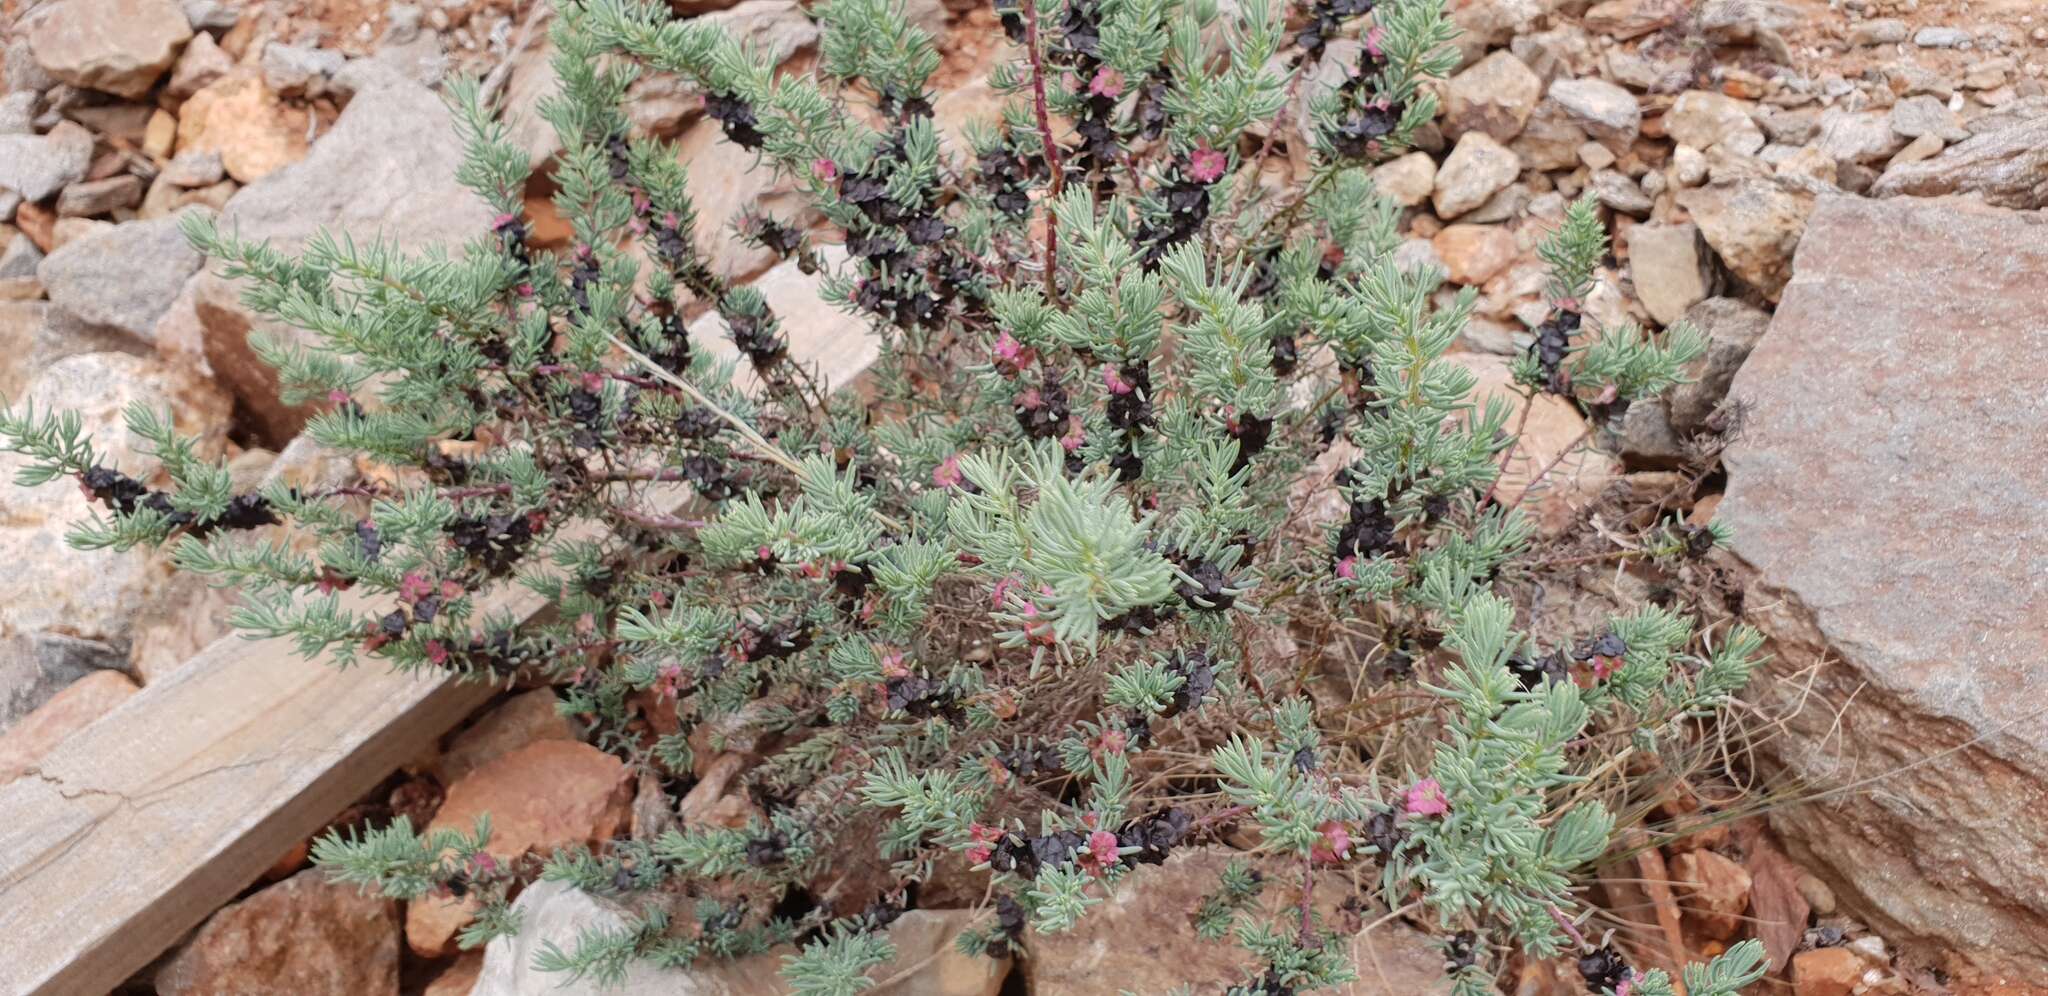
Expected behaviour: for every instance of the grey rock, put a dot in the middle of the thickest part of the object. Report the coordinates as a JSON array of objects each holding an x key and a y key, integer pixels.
[
  {"x": 1864, "y": 137},
  {"x": 1934, "y": 36},
  {"x": 37, "y": 166},
  {"x": 36, "y": 666},
  {"x": 1607, "y": 112},
  {"x": 401, "y": 23},
  {"x": 63, "y": 334},
  {"x": 10, "y": 201},
  {"x": 17, "y": 113},
  {"x": 553, "y": 913},
  {"x": 777, "y": 29},
  {"x": 1886, "y": 488},
  {"x": 2008, "y": 168},
  {"x": 299, "y": 69},
  {"x": 194, "y": 169},
  {"x": 201, "y": 63},
  {"x": 1791, "y": 126},
  {"x": 1551, "y": 140},
  {"x": 1704, "y": 119},
  {"x": 1645, "y": 438},
  {"x": 386, "y": 168},
  {"x": 96, "y": 197},
  {"x": 1619, "y": 193},
  {"x": 1925, "y": 115},
  {"x": 125, "y": 276},
  {"x": 1732, "y": 328},
  {"x": 211, "y": 15},
  {"x": 24, "y": 74},
  {"x": 20, "y": 259},
  {"x": 19, "y": 323},
  {"x": 120, "y": 47},
  {"x": 1878, "y": 31}
]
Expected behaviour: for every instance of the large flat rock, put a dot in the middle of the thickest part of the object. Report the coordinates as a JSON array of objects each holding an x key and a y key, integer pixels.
[{"x": 1891, "y": 489}]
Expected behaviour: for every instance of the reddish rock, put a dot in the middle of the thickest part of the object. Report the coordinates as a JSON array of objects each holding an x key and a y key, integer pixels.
[
  {"x": 1827, "y": 972},
  {"x": 508, "y": 726},
  {"x": 1139, "y": 937},
  {"x": 544, "y": 795},
  {"x": 306, "y": 935},
  {"x": 1716, "y": 890},
  {"x": 1554, "y": 425},
  {"x": 239, "y": 118},
  {"x": 1472, "y": 254},
  {"x": 1887, "y": 489},
  {"x": 67, "y": 712}
]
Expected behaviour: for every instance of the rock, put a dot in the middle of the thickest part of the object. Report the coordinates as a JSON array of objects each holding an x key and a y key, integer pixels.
[
  {"x": 1407, "y": 180},
  {"x": 124, "y": 276},
  {"x": 1745, "y": 22},
  {"x": 1595, "y": 156},
  {"x": 1550, "y": 141},
  {"x": 1472, "y": 254},
  {"x": 1864, "y": 137},
  {"x": 159, "y": 135},
  {"x": 386, "y": 168},
  {"x": 305, "y": 935},
  {"x": 1716, "y": 889},
  {"x": 22, "y": 74},
  {"x": 1554, "y": 53},
  {"x": 1754, "y": 223},
  {"x": 202, "y": 63},
  {"x": 1139, "y": 938},
  {"x": 17, "y": 113},
  {"x": 18, "y": 262},
  {"x": 1732, "y": 329},
  {"x": 1914, "y": 117},
  {"x": 723, "y": 179},
  {"x": 1607, "y": 112},
  {"x": 1620, "y": 194},
  {"x": 557, "y": 913},
  {"x": 1688, "y": 166},
  {"x": 1879, "y": 31},
  {"x": 1477, "y": 168},
  {"x": 776, "y": 29},
  {"x": 1704, "y": 119},
  {"x": 520, "y": 720},
  {"x": 1893, "y": 448},
  {"x": 194, "y": 169},
  {"x": 1495, "y": 95},
  {"x": 1645, "y": 439},
  {"x": 211, "y": 15},
  {"x": 532, "y": 80},
  {"x": 293, "y": 70},
  {"x": 2008, "y": 168},
  {"x": 19, "y": 321},
  {"x": 95, "y": 197},
  {"x": 165, "y": 198},
  {"x": 1625, "y": 19},
  {"x": 1937, "y": 36},
  {"x": 1671, "y": 269},
  {"x": 1554, "y": 424},
  {"x": 239, "y": 118},
  {"x": 547, "y": 794},
  {"x": 1816, "y": 893},
  {"x": 1922, "y": 148},
  {"x": 1790, "y": 126},
  {"x": 36, "y": 667},
  {"x": 460, "y": 978},
  {"x": 68, "y": 230},
  {"x": 1827, "y": 972},
  {"x": 118, "y": 46},
  {"x": 27, "y": 742},
  {"x": 36, "y": 166},
  {"x": 50, "y": 588}
]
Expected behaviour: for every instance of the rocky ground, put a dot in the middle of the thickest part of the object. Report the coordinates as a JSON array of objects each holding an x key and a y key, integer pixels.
[{"x": 1755, "y": 156}]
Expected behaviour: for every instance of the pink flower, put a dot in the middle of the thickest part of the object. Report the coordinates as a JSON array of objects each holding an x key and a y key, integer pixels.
[
  {"x": 484, "y": 863},
  {"x": 1426, "y": 798},
  {"x": 1101, "y": 854},
  {"x": 825, "y": 169},
  {"x": 1206, "y": 165},
  {"x": 984, "y": 838},
  {"x": 412, "y": 587},
  {"x": 1335, "y": 845},
  {"x": 1074, "y": 438},
  {"x": 436, "y": 652},
  {"x": 1627, "y": 986},
  {"x": 450, "y": 591},
  {"x": 1348, "y": 568},
  {"x": 503, "y": 220},
  {"x": 338, "y": 396},
  {"x": 1008, "y": 349},
  {"x": 525, "y": 290},
  {"x": 1112, "y": 742},
  {"x": 947, "y": 474},
  {"x": 1107, "y": 83},
  {"x": 1115, "y": 381},
  {"x": 1373, "y": 39},
  {"x": 1029, "y": 399}
]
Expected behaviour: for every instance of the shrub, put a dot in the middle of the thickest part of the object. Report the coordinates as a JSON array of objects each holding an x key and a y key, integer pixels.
[{"x": 978, "y": 598}]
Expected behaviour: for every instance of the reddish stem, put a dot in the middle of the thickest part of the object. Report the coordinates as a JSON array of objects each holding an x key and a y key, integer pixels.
[{"x": 1052, "y": 148}]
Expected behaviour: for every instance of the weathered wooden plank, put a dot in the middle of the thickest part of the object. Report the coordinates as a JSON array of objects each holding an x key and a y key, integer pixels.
[{"x": 137, "y": 827}]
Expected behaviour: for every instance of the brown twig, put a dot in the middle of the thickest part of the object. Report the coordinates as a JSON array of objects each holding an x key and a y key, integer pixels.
[
  {"x": 1052, "y": 148},
  {"x": 1552, "y": 465}
]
